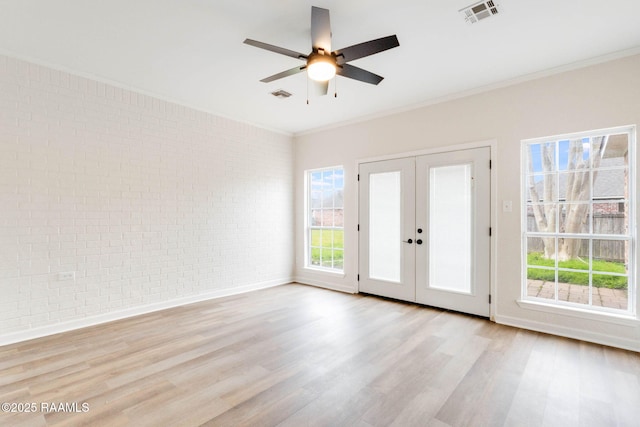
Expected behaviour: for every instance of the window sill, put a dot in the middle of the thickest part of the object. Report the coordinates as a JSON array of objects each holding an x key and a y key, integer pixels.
[
  {"x": 619, "y": 319},
  {"x": 325, "y": 271}
]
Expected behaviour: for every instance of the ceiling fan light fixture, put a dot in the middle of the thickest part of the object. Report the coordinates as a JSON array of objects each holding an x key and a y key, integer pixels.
[
  {"x": 321, "y": 68},
  {"x": 322, "y": 64}
]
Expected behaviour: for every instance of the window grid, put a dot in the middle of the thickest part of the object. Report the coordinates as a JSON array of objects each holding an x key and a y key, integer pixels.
[
  {"x": 325, "y": 225},
  {"x": 573, "y": 162}
]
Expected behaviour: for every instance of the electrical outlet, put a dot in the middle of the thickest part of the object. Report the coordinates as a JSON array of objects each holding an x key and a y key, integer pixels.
[
  {"x": 68, "y": 275},
  {"x": 507, "y": 206}
]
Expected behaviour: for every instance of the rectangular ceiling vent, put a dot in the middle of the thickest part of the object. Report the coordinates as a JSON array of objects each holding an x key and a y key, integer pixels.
[
  {"x": 282, "y": 94},
  {"x": 480, "y": 10}
]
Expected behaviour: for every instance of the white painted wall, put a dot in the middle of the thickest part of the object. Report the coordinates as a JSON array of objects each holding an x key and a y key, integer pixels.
[
  {"x": 152, "y": 204},
  {"x": 149, "y": 203},
  {"x": 598, "y": 96}
]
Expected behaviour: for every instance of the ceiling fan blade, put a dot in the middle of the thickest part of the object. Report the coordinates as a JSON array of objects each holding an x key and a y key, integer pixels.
[
  {"x": 371, "y": 47},
  {"x": 287, "y": 73},
  {"x": 319, "y": 88},
  {"x": 356, "y": 73},
  {"x": 276, "y": 49},
  {"x": 320, "y": 29}
]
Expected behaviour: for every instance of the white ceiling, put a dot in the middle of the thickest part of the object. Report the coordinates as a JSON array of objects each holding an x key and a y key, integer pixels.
[{"x": 191, "y": 51}]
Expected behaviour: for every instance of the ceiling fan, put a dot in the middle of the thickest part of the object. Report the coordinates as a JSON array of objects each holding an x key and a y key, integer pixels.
[{"x": 322, "y": 64}]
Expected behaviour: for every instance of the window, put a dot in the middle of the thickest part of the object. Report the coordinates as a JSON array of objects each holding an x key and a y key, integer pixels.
[
  {"x": 325, "y": 219},
  {"x": 577, "y": 219}
]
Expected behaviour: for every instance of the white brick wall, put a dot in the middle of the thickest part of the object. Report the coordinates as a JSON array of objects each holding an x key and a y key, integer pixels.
[{"x": 145, "y": 200}]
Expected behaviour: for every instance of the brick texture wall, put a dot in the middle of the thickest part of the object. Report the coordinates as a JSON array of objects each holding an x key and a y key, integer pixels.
[{"x": 143, "y": 200}]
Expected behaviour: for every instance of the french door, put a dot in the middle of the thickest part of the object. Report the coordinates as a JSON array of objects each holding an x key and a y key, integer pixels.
[{"x": 424, "y": 229}]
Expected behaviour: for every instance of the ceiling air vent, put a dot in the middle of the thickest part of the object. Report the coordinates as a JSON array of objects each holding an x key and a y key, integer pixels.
[
  {"x": 282, "y": 94},
  {"x": 479, "y": 11}
]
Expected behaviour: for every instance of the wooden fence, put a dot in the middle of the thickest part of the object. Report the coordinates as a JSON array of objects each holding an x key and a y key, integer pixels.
[{"x": 609, "y": 250}]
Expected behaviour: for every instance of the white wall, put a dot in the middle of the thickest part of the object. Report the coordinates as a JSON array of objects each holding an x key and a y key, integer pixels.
[
  {"x": 599, "y": 96},
  {"x": 150, "y": 203}
]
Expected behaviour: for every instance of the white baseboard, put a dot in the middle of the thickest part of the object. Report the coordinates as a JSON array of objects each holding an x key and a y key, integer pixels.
[
  {"x": 563, "y": 331},
  {"x": 71, "y": 325},
  {"x": 325, "y": 285}
]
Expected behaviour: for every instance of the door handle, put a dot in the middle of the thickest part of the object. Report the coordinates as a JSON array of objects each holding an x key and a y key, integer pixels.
[
  {"x": 408, "y": 241},
  {"x": 419, "y": 241}
]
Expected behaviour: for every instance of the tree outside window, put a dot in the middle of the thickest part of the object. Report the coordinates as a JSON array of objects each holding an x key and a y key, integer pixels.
[{"x": 576, "y": 219}]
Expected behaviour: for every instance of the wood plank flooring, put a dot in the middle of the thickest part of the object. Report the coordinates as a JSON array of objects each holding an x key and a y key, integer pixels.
[{"x": 299, "y": 356}]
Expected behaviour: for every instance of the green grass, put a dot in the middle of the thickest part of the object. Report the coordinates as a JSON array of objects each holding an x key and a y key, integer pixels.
[
  {"x": 327, "y": 248},
  {"x": 575, "y": 277}
]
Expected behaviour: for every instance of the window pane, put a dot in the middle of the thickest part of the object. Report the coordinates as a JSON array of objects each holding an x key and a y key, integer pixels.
[
  {"x": 338, "y": 218},
  {"x": 384, "y": 226},
  {"x": 609, "y": 184},
  {"x": 575, "y": 186},
  {"x": 573, "y": 253},
  {"x": 610, "y": 291},
  {"x": 327, "y": 199},
  {"x": 327, "y": 241},
  {"x": 613, "y": 150},
  {"x": 316, "y": 238},
  {"x": 574, "y": 154},
  {"x": 316, "y": 181},
  {"x": 327, "y": 178},
  {"x": 542, "y": 188},
  {"x": 541, "y": 283},
  {"x": 316, "y": 217},
  {"x": 610, "y": 218},
  {"x": 542, "y": 218},
  {"x": 573, "y": 277},
  {"x": 573, "y": 287},
  {"x": 338, "y": 178},
  {"x": 541, "y": 251},
  {"x": 315, "y": 200},
  {"x": 327, "y": 257},
  {"x": 610, "y": 255},
  {"x": 542, "y": 157},
  {"x": 574, "y": 218},
  {"x": 609, "y": 281},
  {"x": 338, "y": 259},
  {"x": 338, "y": 239},
  {"x": 338, "y": 198},
  {"x": 315, "y": 256}
]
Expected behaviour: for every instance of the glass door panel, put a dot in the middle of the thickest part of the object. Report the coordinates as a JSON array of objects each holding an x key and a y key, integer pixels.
[
  {"x": 385, "y": 226},
  {"x": 450, "y": 212}
]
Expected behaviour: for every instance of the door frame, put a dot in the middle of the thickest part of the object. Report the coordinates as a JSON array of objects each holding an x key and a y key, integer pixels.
[{"x": 492, "y": 144}]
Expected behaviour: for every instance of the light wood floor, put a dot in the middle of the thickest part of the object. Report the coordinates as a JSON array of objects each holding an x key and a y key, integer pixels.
[{"x": 299, "y": 356}]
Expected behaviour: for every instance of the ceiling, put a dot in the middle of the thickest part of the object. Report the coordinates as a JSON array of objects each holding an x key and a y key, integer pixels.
[{"x": 191, "y": 51}]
